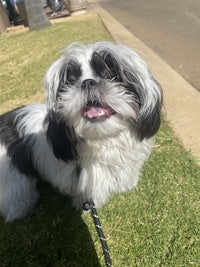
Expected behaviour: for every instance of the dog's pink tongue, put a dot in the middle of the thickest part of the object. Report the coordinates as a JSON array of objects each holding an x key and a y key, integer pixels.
[{"x": 96, "y": 112}]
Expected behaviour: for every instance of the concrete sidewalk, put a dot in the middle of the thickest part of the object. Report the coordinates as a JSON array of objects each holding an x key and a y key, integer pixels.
[{"x": 181, "y": 100}]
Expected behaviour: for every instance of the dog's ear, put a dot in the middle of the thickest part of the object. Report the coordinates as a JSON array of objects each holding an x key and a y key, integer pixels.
[
  {"x": 62, "y": 138},
  {"x": 126, "y": 67},
  {"x": 147, "y": 98},
  {"x": 149, "y": 122},
  {"x": 146, "y": 92},
  {"x": 149, "y": 117},
  {"x": 52, "y": 82}
]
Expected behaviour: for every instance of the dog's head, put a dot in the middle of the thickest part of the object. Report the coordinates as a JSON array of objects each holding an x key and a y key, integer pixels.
[{"x": 103, "y": 88}]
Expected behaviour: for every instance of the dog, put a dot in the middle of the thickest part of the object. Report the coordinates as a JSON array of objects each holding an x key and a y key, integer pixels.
[{"x": 91, "y": 137}]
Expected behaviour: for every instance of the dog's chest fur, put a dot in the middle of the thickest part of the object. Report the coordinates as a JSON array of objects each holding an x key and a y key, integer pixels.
[{"x": 110, "y": 165}]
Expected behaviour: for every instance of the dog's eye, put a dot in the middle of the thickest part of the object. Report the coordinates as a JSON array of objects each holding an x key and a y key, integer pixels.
[
  {"x": 106, "y": 74},
  {"x": 99, "y": 66},
  {"x": 105, "y": 67},
  {"x": 71, "y": 81},
  {"x": 73, "y": 72},
  {"x": 112, "y": 76},
  {"x": 71, "y": 78}
]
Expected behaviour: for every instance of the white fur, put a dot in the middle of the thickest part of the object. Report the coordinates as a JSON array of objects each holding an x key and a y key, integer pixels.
[
  {"x": 110, "y": 153},
  {"x": 110, "y": 166}
]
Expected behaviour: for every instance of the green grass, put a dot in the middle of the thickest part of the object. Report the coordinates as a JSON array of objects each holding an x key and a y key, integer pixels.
[
  {"x": 155, "y": 225},
  {"x": 24, "y": 58}
]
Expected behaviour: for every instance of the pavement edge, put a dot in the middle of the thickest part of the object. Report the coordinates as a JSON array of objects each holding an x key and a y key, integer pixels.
[{"x": 181, "y": 100}]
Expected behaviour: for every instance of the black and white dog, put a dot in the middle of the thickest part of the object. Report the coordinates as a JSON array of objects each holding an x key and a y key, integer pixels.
[{"x": 91, "y": 137}]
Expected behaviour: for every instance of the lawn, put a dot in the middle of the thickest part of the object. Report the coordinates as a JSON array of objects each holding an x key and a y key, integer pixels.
[{"x": 155, "y": 225}]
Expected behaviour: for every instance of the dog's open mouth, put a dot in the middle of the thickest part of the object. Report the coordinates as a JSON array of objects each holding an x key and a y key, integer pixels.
[{"x": 97, "y": 112}]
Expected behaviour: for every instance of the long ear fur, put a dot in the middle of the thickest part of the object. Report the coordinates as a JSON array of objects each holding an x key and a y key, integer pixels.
[
  {"x": 149, "y": 96},
  {"x": 61, "y": 137},
  {"x": 147, "y": 92},
  {"x": 150, "y": 117},
  {"x": 52, "y": 81}
]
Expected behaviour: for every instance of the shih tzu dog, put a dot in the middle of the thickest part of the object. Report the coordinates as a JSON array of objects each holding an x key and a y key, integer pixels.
[{"x": 91, "y": 137}]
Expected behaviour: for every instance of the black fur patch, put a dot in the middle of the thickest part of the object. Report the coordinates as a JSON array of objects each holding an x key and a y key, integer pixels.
[
  {"x": 148, "y": 125},
  {"x": 73, "y": 72},
  {"x": 18, "y": 148},
  {"x": 8, "y": 131},
  {"x": 105, "y": 66},
  {"x": 78, "y": 169},
  {"x": 70, "y": 73},
  {"x": 62, "y": 138},
  {"x": 21, "y": 155}
]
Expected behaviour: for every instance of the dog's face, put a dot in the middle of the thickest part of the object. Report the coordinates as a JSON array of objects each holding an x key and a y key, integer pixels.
[{"x": 102, "y": 89}]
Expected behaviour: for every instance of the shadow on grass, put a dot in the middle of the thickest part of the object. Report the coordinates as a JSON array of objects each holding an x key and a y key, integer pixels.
[{"x": 55, "y": 236}]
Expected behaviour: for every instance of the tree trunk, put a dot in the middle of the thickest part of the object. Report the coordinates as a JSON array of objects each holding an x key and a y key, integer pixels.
[{"x": 37, "y": 18}]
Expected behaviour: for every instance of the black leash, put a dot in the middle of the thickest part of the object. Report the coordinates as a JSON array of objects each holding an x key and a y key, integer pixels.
[{"x": 91, "y": 206}]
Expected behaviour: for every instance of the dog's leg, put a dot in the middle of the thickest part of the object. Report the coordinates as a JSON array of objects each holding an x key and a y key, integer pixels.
[{"x": 18, "y": 193}]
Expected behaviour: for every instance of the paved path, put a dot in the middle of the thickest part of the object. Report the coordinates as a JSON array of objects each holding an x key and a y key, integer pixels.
[
  {"x": 181, "y": 100},
  {"x": 171, "y": 28}
]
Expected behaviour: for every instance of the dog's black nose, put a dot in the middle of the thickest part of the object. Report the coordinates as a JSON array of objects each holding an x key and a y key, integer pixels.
[{"x": 88, "y": 84}]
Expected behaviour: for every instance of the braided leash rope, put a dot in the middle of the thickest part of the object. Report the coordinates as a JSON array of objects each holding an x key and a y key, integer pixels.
[{"x": 91, "y": 206}]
